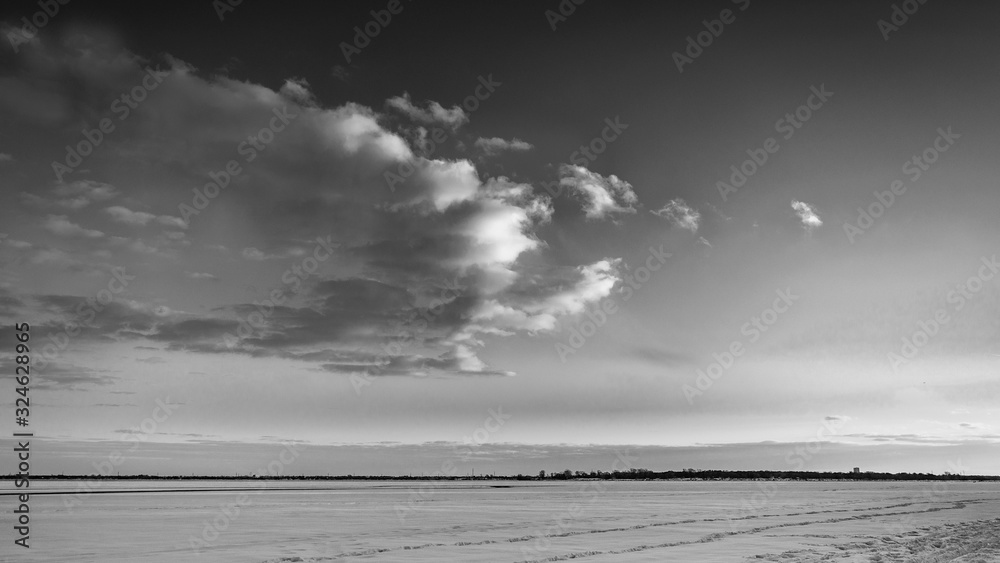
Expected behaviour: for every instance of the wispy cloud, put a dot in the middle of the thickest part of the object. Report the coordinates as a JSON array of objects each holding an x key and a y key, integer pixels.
[
  {"x": 680, "y": 214},
  {"x": 62, "y": 226},
  {"x": 433, "y": 112},
  {"x": 496, "y": 145},
  {"x": 601, "y": 196}
]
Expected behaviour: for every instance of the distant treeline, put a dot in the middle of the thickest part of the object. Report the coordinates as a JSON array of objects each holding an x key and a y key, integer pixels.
[{"x": 632, "y": 474}]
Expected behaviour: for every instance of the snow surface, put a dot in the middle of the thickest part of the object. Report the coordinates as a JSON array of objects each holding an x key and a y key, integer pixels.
[{"x": 509, "y": 521}]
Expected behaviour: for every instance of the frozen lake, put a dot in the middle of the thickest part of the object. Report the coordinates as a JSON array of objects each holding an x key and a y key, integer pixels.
[{"x": 508, "y": 521}]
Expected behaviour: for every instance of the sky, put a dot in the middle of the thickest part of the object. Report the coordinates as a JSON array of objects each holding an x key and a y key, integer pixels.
[{"x": 515, "y": 236}]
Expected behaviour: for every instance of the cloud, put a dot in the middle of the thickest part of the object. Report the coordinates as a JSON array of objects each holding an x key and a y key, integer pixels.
[
  {"x": 82, "y": 193},
  {"x": 680, "y": 214},
  {"x": 297, "y": 89},
  {"x": 62, "y": 375},
  {"x": 5, "y": 157},
  {"x": 807, "y": 213},
  {"x": 538, "y": 308},
  {"x": 141, "y": 218},
  {"x": 8, "y": 303},
  {"x": 601, "y": 196},
  {"x": 62, "y": 226},
  {"x": 171, "y": 221},
  {"x": 495, "y": 145},
  {"x": 73, "y": 196},
  {"x": 123, "y": 215},
  {"x": 14, "y": 243},
  {"x": 434, "y": 112},
  {"x": 325, "y": 174},
  {"x": 257, "y": 255}
]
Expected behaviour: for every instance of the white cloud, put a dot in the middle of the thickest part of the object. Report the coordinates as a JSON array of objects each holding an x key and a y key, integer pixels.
[
  {"x": 298, "y": 89},
  {"x": 129, "y": 217},
  {"x": 445, "y": 183},
  {"x": 141, "y": 218},
  {"x": 496, "y": 145},
  {"x": 601, "y": 196},
  {"x": 593, "y": 282},
  {"x": 251, "y": 253},
  {"x": 353, "y": 130},
  {"x": 52, "y": 256},
  {"x": 62, "y": 226},
  {"x": 84, "y": 192},
  {"x": 680, "y": 214},
  {"x": 16, "y": 243},
  {"x": 171, "y": 221},
  {"x": 434, "y": 112},
  {"x": 325, "y": 174},
  {"x": 807, "y": 213},
  {"x": 73, "y": 196}
]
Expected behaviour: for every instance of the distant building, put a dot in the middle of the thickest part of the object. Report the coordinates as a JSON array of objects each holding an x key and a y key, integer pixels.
[{"x": 857, "y": 470}]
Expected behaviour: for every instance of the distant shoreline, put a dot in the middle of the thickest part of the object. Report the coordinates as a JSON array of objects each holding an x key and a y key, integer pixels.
[{"x": 635, "y": 475}]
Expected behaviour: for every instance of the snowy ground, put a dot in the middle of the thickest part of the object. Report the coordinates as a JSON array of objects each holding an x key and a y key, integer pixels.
[{"x": 510, "y": 521}]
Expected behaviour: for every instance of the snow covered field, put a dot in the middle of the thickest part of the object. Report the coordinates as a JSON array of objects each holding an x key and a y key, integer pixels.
[{"x": 508, "y": 521}]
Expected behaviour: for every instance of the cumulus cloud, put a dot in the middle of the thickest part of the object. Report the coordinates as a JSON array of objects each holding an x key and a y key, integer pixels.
[
  {"x": 433, "y": 112},
  {"x": 602, "y": 197},
  {"x": 62, "y": 226},
  {"x": 495, "y": 145},
  {"x": 807, "y": 214},
  {"x": 324, "y": 174},
  {"x": 680, "y": 214}
]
